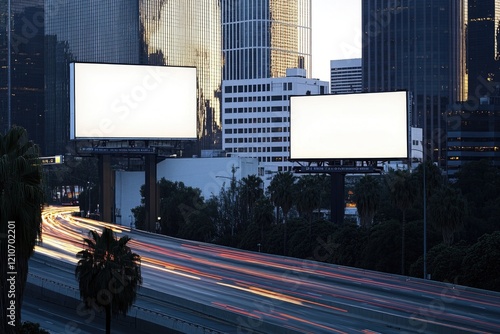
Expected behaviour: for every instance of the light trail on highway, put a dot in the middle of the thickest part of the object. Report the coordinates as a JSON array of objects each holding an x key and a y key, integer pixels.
[{"x": 302, "y": 295}]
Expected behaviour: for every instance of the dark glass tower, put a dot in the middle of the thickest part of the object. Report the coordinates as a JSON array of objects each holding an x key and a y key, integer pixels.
[
  {"x": 23, "y": 71},
  {"x": 474, "y": 125},
  {"x": 175, "y": 33},
  {"x": 483, "y": 49},
  {"x": 262, "y": 38},
  {"x": 417, "y": 45}
]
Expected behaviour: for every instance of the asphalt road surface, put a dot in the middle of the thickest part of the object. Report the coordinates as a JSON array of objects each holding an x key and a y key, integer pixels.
[{"x": 297, "y": 295}]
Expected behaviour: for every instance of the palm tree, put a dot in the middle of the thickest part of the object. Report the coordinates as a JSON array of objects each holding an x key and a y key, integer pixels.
[
  {"x": 433, "y": 178},
  {"x": 108, "y": 273},
  {"x": 281, "y": 190},
  {"x": 250, "y": 190},
  {"x": 263, "y": 215},
  {"x": 21, "y": 201},
  {"x": 447, "y": 211},
  {"x": 402, "y": 190},
  {"x": 309, "y": 196},
  {"x": 367, "y": 194}
]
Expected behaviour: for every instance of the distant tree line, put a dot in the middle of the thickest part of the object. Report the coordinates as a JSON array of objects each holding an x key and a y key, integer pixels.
[{"x": 462, "y": 219}]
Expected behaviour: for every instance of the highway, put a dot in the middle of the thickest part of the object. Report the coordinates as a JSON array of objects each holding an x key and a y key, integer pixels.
[
  {"x": 299, "y": 296},
  {"x": 59, "y": 319}
]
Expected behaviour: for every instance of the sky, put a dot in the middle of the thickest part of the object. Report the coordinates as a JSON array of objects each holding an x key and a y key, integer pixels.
[{"x": 336, "y": 34}]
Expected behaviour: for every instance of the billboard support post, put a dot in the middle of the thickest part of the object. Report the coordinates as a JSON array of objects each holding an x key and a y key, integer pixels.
[
  {"x": 337, "y": 184},
  {"x": 151, "y": 194},
  {"x": 107, "y": 188},
  {"x": 338, "y": 201}
]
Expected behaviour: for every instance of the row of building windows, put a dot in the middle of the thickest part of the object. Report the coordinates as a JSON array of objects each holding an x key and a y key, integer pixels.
[
  {"x": 257, "y": 140},
  {"x": 257, "y": 149},
  {"x": 248, "y": 88},
  {"x": 462, "y": 158},
  {"x": 349, "y": 69},
  {"x": 251, "y": 120},
  {"x": 257, "y": 98},
  {"x": 347, "y": 75},
  {"x": 350, "y": 86},
  {"x": 287, "y": 86},
  {"x": 472, "y": 139},
  {"x": 247, "y": 130},
  {"x": 245, "y": 110},
  {"x": 474, "y": 148},
  {"x": 269, "y": 159},
  {"x": 339, "y": 81}
]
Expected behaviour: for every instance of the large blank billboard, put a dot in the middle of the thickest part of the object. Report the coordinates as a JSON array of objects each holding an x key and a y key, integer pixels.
[
  {"x": 115, "y": 101},
  {"x": 350, "y": 126}
]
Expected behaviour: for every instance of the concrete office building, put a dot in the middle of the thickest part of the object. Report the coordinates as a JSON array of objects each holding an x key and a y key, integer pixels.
[
  {"x": 345, "y": 76},
  {"x": 256, "y": 117}
]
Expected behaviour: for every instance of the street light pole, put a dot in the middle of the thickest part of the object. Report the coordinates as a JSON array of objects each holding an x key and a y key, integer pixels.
[
  {"x": 425, "y": 222},
  {"x": 424, "y": 167},
  {"x": 9, "y": 67},
  {"x": 88, "y": 189}
]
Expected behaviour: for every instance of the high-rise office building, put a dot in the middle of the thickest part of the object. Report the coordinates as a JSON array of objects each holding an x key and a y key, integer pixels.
[
  {"x": 256, "y": 116},
  {"x": 22, "y": 67},
  {"x": 417, "y": 45},
  {"x": 262, "y": 38},
  {"x": 482, "y": 44},
  {"x": 473, "y": 126},
  {"x": 174, "y": 33},
  {"x": 345, "y": 76}
]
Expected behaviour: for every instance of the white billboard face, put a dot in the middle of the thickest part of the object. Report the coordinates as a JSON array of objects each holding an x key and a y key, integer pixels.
[
  {"x": 111, "y": 101},
  {"x": 351, "y": 126}
]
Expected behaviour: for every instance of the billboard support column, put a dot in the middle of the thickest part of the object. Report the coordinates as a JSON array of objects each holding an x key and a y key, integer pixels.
[
  {"x": 106, "y": 190},
  {"x": 151, "y": 199},
  {"x": 338, "y": 200}
]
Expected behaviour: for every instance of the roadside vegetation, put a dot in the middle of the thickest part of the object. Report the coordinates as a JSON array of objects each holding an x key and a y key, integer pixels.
[
  {"x": 462, "y": 219},
  {"x": 21, "y": 201}
]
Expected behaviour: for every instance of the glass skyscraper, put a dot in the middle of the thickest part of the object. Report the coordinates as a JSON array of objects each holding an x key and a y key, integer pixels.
[
  {"x": 262, "y": 38},
  {"x": 482, "y": 43},
  {"x": 174, "y": 33},
  {"x": 417, "y": 45},
  {"x": 23, "y": 70},
  {"x": 473, "y": 127}
]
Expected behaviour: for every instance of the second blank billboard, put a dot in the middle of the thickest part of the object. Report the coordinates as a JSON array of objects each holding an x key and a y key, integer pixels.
[
  {"x": 115, "y": 101},
  {"x": 350, "y": 126}
]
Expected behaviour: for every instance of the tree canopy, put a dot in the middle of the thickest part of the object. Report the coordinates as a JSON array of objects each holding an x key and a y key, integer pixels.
[
  {"x": 391, "y": 206},
  {"x": 108, "y": 273}
]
